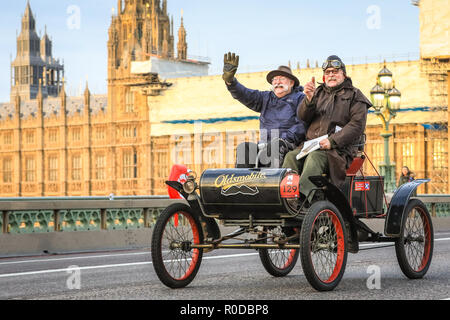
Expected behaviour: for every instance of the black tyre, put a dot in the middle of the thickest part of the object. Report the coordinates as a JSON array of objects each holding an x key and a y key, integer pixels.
[
  {"x": 279, "y": 262},
  {"x": 323, "y": 246},
  {"x": 175, "y": 262},
  {"x": 414, "y": 247}
]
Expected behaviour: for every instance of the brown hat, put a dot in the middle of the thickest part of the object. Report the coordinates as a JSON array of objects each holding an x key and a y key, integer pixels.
[{"x": 282, "y": 71}]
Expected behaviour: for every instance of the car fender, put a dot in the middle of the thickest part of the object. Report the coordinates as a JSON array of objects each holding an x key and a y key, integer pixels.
[
  {"x": 209, "y": 225},
  {"x": 396, "y": 210}
]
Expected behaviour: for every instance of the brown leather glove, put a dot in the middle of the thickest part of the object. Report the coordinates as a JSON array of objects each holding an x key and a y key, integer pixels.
[{"x": 231, "y": 63}]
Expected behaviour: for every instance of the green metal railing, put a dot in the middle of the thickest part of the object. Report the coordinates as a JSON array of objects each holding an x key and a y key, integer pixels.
[
  {"x": 64, "y": 214},
  {"x": 68, "y": 214},
  {"x": 437, "y": 204}
]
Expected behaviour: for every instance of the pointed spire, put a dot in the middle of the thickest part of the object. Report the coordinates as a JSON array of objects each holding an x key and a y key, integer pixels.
[
  {"x": 182, "y": 45},
  {"x": 28, "y": 22},
  {"x": 164, "y": 7},
  {"x": 28, "y": 33},
  {"x": 182, "y": 30},
  {"x": 87, "y": 85},
  {"x": 39, "y": 95},
  {"x": 63, "y": 88},
  {"x": 46, "y": 45},
  {"x": 87, "y": 98},
  {"x": 40, "y": 99},
  {"x": 28, "y": 9}
]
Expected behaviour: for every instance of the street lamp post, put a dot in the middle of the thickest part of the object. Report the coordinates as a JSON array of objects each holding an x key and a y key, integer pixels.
[{"x": 386, "y": 102}]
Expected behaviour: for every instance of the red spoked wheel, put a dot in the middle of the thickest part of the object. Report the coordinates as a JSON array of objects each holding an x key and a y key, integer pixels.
[
  {"x": 175, "y": 262},
  {"x": 414, "y": 247},
  {"x": 279, "y": 262},
  {"x": 323, "y": 246}
]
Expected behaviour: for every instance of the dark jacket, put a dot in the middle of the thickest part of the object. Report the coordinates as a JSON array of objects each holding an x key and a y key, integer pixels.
[
  {"x": 344, "y": 106},
  {"x": 405, "y": 179},
  {"x": 276, "y": 113}
]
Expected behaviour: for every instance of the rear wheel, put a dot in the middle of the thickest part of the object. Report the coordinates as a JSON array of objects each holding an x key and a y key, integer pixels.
[
  {"x": 279, "y": 262},
  {"x": 414, "y": 248},
  {"x": 175, "y": 262},
  {"x": 323, "y": 246}
]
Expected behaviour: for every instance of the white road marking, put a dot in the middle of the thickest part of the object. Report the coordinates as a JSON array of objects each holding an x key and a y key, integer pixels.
[
  {"x": 386, "y": 244},
  {"x": 29, "y": 273},
  {"x": 442, "y": 239},
  {"x": 133, "y": 263},
  {"x": 38, "y": 260}
]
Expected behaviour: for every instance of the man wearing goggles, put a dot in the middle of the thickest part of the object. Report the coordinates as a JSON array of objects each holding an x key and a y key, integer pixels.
[
  {"x": 337, "y": 109},
  {"x": 336, "y": 64}
]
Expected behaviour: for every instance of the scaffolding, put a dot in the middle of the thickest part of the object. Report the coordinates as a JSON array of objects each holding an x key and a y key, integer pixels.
[{"x": 436, "y": 70}]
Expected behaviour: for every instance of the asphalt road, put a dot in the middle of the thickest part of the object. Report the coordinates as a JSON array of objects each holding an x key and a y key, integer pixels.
[{"x": 224, "y": 275}]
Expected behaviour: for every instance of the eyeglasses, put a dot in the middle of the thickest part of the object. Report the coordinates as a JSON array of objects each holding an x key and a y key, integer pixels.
[
  {"x": 332, "y": 64},
  {"x": 331, "y": 71},
  {"x": 278, "y": 79}
]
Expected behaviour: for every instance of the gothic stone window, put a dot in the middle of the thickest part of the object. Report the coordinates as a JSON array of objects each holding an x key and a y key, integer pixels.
[
  {"x": 100, "y": 133},
  {"x": 29, "y": 137},
  {"x": 76, "y": 167},
  {"x": 76, "y": 134},
  {"x": 7, "y": 170},
  {"x": 375, "y": 152},
  {"x": 162, "y": 162},
  {"x": 129, "y": 101},
  {"x": 129, "y": 131},
  {"x": 30, "y": 169},
  {"x": 439, "y": 154},
  {"x": 129, "y": 165},
  {"x": 100, "y": 167},
  {"x": 53, "y": 168},
  {"x": 53, "y": 135},
  {"x": 408, "y": 154},
  {"x": 7, "y": 138}
]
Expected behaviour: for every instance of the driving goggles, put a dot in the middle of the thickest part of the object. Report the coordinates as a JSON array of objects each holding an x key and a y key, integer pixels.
[{"x": 332, "y": 64}]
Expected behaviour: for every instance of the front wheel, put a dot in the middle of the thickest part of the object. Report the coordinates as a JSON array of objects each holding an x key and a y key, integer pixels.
[
  {"x": 414, "y": 247},
  {"x": 323, "y": 246},
  {"x": 175, "y": 262},
  {"x": 279, "y": 262}
]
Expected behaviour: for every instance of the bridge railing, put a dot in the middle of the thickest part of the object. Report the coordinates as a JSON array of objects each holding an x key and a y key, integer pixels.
[
  {"x": 437, "y": 204},
  {"x": 62, "y": 214},
  {"x": 65, "y": 214}
]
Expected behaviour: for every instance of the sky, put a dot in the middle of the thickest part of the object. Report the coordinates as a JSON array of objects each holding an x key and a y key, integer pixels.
[{"x": 264, "y": 33}]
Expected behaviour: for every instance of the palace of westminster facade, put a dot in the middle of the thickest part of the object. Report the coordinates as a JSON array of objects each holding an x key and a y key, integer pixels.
[{"x": 126, "y": 141}]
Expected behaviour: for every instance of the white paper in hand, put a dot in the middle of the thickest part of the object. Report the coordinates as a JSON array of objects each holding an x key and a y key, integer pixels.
[{"x": 310, "y": 146}]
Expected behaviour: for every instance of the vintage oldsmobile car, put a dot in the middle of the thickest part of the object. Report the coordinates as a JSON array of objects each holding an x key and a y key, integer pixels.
[{"x": 263, "y": 203}]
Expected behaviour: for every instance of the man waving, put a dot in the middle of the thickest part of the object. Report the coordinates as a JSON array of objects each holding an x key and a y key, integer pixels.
[{"x": 277, "y": 110}]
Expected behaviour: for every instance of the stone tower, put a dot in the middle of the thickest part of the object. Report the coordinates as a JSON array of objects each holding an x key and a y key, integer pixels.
[
  {"x": 141, "y": 28},
  {"x": 182, "y": 44},
  {"x": 139, "y": 31},
  {"x": 34, "y": 64}
]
